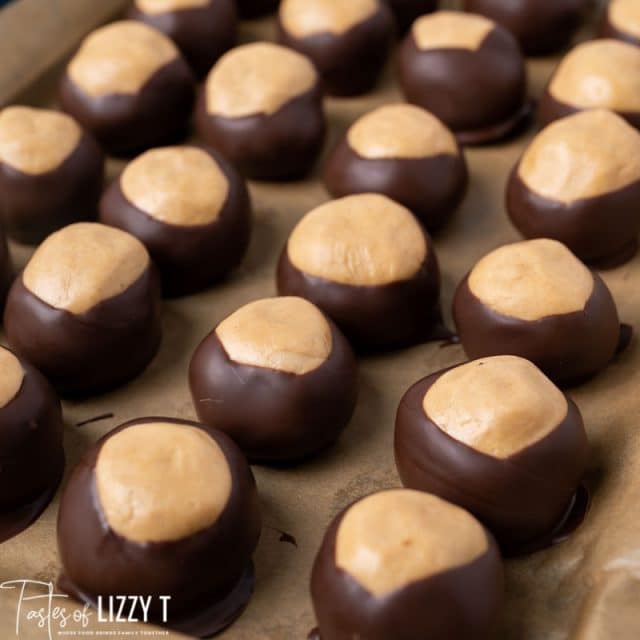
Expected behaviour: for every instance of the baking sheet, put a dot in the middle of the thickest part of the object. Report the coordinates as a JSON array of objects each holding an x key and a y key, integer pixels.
[{"x": 587, "y": 588}]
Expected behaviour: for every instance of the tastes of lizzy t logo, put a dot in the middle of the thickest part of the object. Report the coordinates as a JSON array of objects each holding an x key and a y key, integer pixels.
[{"x": 55, "y": 614}]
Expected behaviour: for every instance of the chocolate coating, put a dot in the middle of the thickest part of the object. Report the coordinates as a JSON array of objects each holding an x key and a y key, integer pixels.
[
  {"x": 203, "y": 568},
  {"x": 202, "y": 33},
  {"x": 567, "y": 347},
  {"x": 432, "y": 186},
  {"x": 541, "y": 27},
  {"x": 128, "y": 122},
  {"x": 579, "y": 183},
  {"x": 349, "y": 63},
  {"x": 609, "y": 64},
  {"x": 456, "y": 604},
  {"x": 290, "y": 416},
  {"x": 88, "y": 352},
  {"x": 282, "y": 146},
  {"x": 6, "y": 269},
  {"x": 480, "y": 94},
  {"x": 519, "y": 498},
  {"x": 601, "y": 231},
  {"x": 31, "y": 453},
  {"x": 32, "y": 206},
  {"x": 550, "y": 109},
  {"x": 616, "y": 22},
  {"x": 249, "y": 9},
  {"x": 189, "y": 258},
  {"x": 374, "y": 317},
  {"x": 406, "y": 11},
  {"x": 609, "y": 30}
]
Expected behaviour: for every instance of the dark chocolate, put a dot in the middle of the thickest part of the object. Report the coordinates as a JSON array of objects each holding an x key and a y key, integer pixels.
[
  {"x": 541, "y": 27},
  {"x": 207, "y": 574},
  {"x": 609, "y": 30},
  {"x": 17, "y": 520},
  {"x": 506, "y": 130},
  {"x": 568, "y": 348},
  {"x": 87, "y": 353},
  {"x": 349, "y": 63},
  {"x": 573, "y": 518},
  {"x": 201, "y": 33},
  {"x": 550, "y": 109},
  {"x": 34, "y": 206},
  {"x": 250, "y": 9},
  {"x": 458, "y": 604},
  {"x": 31, "y": 452},
  {"x": 127, "y": 124},
  {"x": 282, "y": 146},
  {"x": 189, "y": 258},
  {"x": 6, "y": 269},
  {"x": 430, "y": 187},
  {"x": 601, "y": 230},
  {"x": 99, "y": 418},
  {"x": 406, "y": 11},
  {"x": 387, "y": 316},
  {"x": 519, "y": 498},
  {"x": 626, "y": 337},
  {"x": 290, "y": 416},
  {"x": 211, "y": 618},
  {"x": 481, "y": 95}
]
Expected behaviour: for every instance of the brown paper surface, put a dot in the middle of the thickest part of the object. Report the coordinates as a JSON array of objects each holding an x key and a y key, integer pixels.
[{"x": 587, "y": 588}]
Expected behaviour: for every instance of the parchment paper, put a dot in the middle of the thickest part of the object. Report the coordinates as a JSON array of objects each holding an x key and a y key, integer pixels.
[{"x": 587, "y": 588}]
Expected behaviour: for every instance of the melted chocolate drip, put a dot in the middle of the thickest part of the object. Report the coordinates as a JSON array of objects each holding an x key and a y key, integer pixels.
[{"x": 102, "y": 416}]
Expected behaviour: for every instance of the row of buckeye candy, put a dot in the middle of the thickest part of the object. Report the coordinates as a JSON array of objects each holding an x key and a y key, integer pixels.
[
  {"x": 351, "y": 40},
  {"x": 85, "y": 312},
  {"x": 494, "y": 436},
  {"x": 331, "y": 32},
  {"x": 578, "y": 182},
  {"x": 261, "y": 104},
  {"x": 130, "y": 86},
  {"x": 86, "y": 309}
]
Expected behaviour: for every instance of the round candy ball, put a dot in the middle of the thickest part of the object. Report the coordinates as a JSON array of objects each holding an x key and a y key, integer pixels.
[
  {"x": 579, "y": 183},
  {"x": 541, "y": 27},
  {"x": 406, "y": 11},
  {"x": 406, "y": 564},
  {"x": 535, "y": 299},
  {"x": 250, "y": 9},
  {"x": 202, "y": 29},
  {"x": 31, "y": 453},
  {"x": 86, "y": 309},
  {"x": 370, "y": 266},
  {"x": 161, "y": 507},
  {"x": 468, "y": 71},
  {"x": 51, "y": 173},
  {"x": 600, "y": 74},
  {"x": 406, "y": 153},
  {"x": 189, "y": 208},
  {"x": 349, "y": 42},
  {"x": 622, "y": 21},
  {"x": 498, "y": 438},
  {"x": 261, "y": 107},
  {"x": 296, "y": 367},
  {"x": 129, "y": 86}
]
